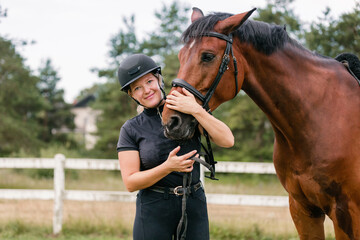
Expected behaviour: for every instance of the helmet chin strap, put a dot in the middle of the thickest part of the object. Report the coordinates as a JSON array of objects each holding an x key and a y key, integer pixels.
[{"x": 163, "y": 96}]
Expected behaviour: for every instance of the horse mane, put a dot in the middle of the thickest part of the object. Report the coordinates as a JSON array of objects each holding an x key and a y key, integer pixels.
[{"x": 266, "y": 38}]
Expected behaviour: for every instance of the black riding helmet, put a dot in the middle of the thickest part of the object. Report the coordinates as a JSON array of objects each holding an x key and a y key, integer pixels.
[{"x": 134, "y": 67}]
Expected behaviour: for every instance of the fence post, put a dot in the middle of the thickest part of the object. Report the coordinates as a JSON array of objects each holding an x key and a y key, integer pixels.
[{"x": 59, "y": 192}]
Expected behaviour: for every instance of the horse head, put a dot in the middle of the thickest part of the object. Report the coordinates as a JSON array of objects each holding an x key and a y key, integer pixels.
[{"x": 208, "y": 69}]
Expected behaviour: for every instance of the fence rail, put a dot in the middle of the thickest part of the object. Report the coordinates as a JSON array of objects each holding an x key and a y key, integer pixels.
[
  {"x": 59, "y": 163},
  {"x": 107, "y": 164}
]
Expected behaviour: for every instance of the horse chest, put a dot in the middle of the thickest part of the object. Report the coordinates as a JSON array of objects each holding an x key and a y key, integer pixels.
[{"x": 301, "y": 181}]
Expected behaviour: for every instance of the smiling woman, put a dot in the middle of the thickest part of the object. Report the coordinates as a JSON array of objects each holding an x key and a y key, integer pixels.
[{"x": 159, "y": 167}]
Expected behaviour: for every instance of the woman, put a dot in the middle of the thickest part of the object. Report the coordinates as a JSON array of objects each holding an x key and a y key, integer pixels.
[{"x": 156, "y": 165}]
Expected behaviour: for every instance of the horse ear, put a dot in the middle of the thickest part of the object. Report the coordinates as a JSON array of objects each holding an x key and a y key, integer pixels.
[
  {"x": 196, "y": 14},
  {"x": 232, "y": 23}
]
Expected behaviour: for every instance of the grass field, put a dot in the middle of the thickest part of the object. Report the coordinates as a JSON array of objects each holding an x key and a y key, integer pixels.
[{"x": 30, "y": 219}]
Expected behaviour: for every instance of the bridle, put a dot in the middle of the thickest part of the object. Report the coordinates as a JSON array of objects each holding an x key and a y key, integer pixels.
[
  {"x": 209, "y": 157},
  {"x": 223, "y": 67}
]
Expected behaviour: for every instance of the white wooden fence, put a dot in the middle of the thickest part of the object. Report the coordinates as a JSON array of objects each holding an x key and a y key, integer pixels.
[{"x": 59, "y": 163}]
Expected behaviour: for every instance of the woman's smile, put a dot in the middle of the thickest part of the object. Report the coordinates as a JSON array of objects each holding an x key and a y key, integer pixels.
[{"x": 150, "y": 96}]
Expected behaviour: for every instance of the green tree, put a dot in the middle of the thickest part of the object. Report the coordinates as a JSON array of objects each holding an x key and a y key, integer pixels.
[
  {"x": 330, "y": 37},
  {"x": 279, "y": 12},
  {"x": 165, "y": 42},
  {"x": 165, "y": 39},
  {"x": 125, "y": 42},
  {"x": 20, "y": 103},
  {"x": 56, "y": 116}
]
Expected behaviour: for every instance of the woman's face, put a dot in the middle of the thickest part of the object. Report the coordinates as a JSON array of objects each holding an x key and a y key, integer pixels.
[{"x": 146, "y": 91}]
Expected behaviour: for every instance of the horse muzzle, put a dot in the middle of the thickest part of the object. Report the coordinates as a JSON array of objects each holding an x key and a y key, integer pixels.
[{"x": 180, "y": 127}]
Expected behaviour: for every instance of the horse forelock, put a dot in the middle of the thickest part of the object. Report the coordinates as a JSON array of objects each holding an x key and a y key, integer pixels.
[
  {"x": 203, "y": 25},
  {"x": 266, "y": 38}
]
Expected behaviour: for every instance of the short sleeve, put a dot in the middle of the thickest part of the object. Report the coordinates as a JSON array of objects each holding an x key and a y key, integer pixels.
[{"x": 126, "y": 140}]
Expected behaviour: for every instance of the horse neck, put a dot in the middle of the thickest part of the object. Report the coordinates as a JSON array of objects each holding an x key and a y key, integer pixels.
[{"x": 282, "y": 85}]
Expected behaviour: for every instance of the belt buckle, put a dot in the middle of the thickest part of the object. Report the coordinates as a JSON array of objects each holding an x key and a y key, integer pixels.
[{"x": 176, "y": 189}]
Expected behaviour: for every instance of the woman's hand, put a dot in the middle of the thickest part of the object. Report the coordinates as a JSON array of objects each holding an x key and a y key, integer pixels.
[
  {"x": 218, "y": 131},
  {"x": 184, "y": 103},
  {"x": 180, "y": 163}
]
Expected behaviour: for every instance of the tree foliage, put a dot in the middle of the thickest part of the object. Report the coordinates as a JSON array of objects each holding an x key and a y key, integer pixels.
[
  {"x": 55, "y": 118},
  {"x": 31, "y": 107},
  {"x": 279, "y": 12},
  {"x": 20, "y": 102},
  {"x": 330, "y": 36}
]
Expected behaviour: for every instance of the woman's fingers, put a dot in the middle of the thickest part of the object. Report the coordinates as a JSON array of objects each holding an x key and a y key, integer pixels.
[
  {"x": 174, "y": 151},
  {"x": 175, "y": 93},
  {"x": 189, "y": 169},
  {"x": 185, "y": 162},
  {"x": 170, "y": 97},
  {"x": 170, "y": 101},
  {"x": 189, "y": 154},
  {"x": 186, "y": 92}
]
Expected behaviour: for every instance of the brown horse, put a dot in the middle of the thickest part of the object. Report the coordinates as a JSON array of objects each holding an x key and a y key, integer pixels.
[{"x": 312, "y": 102}]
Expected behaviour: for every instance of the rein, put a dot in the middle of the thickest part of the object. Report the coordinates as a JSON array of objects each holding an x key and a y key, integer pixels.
[{"x": 209, "y": 157}]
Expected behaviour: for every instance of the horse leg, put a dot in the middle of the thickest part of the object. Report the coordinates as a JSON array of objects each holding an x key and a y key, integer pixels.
[
  {"x": 339, "y": 233},
  {"x": 308, "y": 225},
  {"x": 346, "y": 221}
]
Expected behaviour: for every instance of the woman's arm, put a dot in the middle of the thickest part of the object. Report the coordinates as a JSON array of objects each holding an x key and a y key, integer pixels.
[
  {"x": 218, "y": 131},
  {"x": 134, "y": 179}
]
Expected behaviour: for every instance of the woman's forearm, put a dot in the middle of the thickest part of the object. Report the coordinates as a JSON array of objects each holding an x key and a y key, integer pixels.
[
  {"x": 134, "y": 179},
  {"x": 219, "y": 132},
  {"x": 143, "y": 179}
]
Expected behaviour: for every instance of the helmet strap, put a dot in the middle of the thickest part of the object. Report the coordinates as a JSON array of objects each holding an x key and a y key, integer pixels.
[
  {"x": 161, "y": 86},
  {"x": 163, "y": 98},
  {"x": 136, "y": 101}
]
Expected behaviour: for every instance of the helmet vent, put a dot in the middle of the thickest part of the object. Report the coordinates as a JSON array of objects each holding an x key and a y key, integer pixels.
[{"x": 134, "y": 70}]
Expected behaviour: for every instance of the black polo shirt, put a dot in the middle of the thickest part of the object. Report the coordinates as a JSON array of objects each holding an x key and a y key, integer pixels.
[{"x": 145, "y": 134}]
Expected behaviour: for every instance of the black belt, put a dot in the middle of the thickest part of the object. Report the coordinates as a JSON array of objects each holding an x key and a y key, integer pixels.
[{"x": 178, "y": 191}]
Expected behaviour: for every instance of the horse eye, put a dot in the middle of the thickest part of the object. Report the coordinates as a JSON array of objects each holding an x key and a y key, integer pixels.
[{"x": 207, "y": 57}]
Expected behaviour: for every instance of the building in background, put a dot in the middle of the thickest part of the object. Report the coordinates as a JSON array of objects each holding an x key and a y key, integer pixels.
[{"x": 85, "y": 121}]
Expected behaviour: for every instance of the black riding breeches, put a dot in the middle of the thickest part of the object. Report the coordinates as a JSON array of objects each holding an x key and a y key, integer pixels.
[{"x": 158, "y": 215}]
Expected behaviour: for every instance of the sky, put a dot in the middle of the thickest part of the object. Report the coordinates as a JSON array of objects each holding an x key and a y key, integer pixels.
[{"x": 75, "y": 34}]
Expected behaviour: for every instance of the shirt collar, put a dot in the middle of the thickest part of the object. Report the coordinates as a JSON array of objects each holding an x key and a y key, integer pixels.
[{"x": 153, "y": 111}]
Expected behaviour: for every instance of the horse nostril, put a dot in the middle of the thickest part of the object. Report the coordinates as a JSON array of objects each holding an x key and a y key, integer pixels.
[{"x": 175, "y": 122}]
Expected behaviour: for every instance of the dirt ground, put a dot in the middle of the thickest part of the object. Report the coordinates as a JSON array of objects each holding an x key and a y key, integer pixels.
[{"x": 275, "y": 220}]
